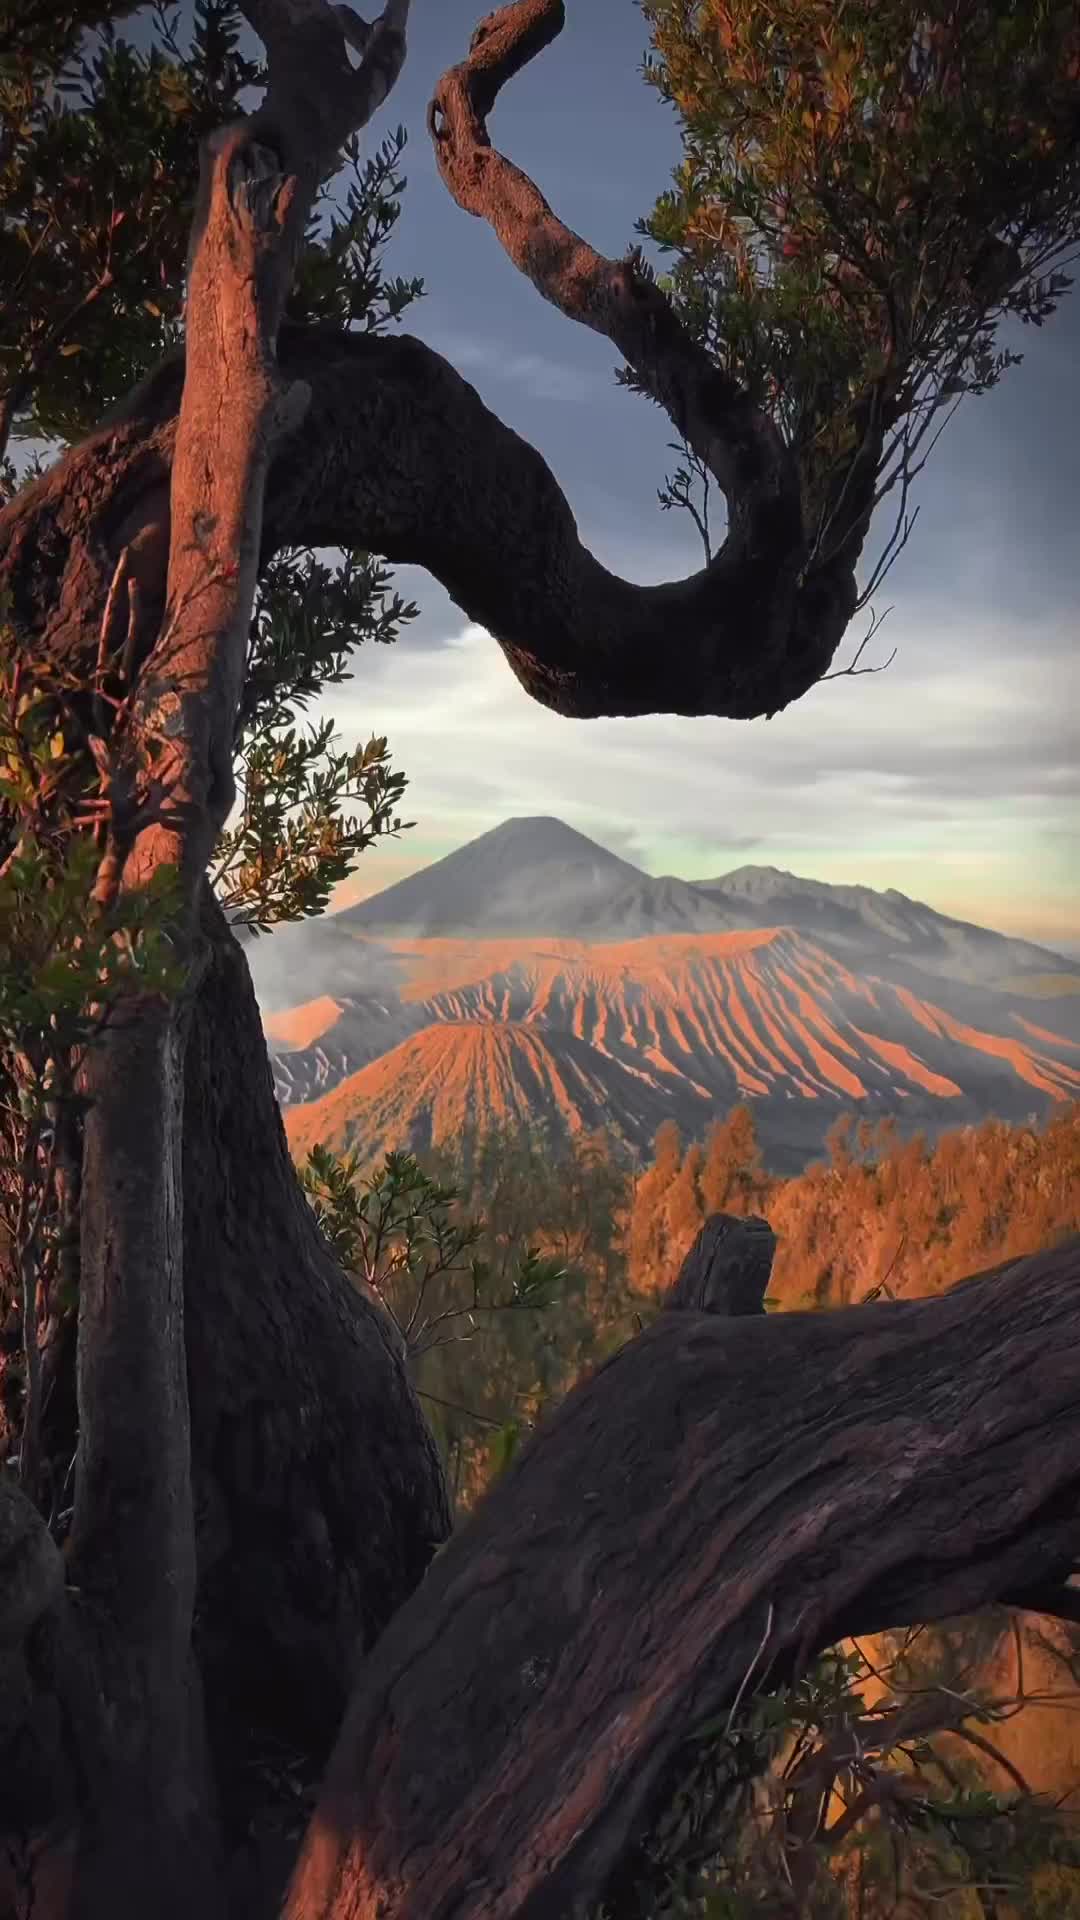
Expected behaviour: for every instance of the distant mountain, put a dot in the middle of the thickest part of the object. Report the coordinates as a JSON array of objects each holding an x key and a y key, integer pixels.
[
  {"x": 865, "y": 925},
  {"x": 680, "y": 1026},
  {"x": 537, "y": 876},
  {"x": 534, "y": 974},
  {"x": 432, "y": 1086},
  {"x": 521, "y": 876}
]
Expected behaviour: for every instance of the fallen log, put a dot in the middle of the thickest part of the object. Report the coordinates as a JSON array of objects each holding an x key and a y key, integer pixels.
[{"x": 722, "y": 1500}]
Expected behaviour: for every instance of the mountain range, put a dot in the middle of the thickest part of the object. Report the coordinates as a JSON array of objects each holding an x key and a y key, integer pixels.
[{"x": 533, "y": 975}]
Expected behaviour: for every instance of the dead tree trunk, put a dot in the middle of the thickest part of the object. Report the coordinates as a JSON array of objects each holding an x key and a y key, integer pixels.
[{"x": 722, "y": 1500}]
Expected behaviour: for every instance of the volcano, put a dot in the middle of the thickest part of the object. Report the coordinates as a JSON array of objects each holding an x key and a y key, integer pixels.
[{"x": 533, "y": 975}]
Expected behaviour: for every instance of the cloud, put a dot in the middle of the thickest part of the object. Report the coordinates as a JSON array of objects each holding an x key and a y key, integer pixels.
[
  {"x": 944, "y": 780},
  {"x": 538, "y": 376},
  {"x": 928, "y": 739}
]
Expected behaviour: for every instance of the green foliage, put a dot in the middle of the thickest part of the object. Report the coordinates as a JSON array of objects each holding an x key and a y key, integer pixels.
[
  {"x": 61, "y": 968},
  {"x": 506, "y": 1221},
  {"x": 99, "y": 169},
  {"x": 566, "y": 1197},
  {"x": 291, "y": 841},
  {"x": 811, "y": 1800},
  {"x": 98, "y": 174},
  {"x": 339, "y": 280},
  {"x": 866, "y": 191},
  {"x": 63, "y": 963},
  {"x": 66, "y": 967},
  {"x": 398, "y": 1231},
  {"x": 307, "y": 619}
]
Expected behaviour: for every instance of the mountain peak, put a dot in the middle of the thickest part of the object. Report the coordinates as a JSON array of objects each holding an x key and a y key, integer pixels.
[
  {"x": 540, "y": 836},
  {"x": 532, "y": 873}
]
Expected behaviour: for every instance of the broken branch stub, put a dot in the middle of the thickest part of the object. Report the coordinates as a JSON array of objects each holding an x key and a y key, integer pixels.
[{"x": 727, "y": 1269}]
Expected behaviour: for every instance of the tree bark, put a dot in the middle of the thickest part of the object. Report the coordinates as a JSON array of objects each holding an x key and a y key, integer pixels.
[
  {"x": 722, "y": 1500},
  {"x": 256, "y": 1481},
  {"x": 147, "y": 1838},
  {"x": 387, "y": 420},
  {"x": 727, "y": 1269},
  {"x": 319, "y": 1498},
  {"x": 146, "y": 1835},
  {"x": 319, "y": 1492}
]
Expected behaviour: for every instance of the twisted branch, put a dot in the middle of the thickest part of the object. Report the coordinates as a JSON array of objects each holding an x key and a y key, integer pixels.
[
  {"x": 738, "y": 442},
  {"x": 758, "y": 574}
]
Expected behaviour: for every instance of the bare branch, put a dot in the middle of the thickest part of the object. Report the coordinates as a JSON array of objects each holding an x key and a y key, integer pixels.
[{"x": 853, "y": 670}]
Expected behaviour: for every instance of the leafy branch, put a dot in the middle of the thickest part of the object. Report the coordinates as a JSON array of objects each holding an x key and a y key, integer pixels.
[{"x": 397, "y": 1229}]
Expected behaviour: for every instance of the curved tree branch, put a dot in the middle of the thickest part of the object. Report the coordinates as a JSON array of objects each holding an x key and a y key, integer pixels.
[
  {"x": 387, "y": 422},
  {"x": 759, "y": 573},
  {"x": 738, "y": 442},
  {"x": 399, "y": 455},
  {"x": 816, "y": 1474}
]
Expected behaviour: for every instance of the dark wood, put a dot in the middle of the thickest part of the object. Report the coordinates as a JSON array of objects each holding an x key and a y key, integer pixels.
[
  {"x": 388, "y": 419},
  {"x": 727, "y": 1269},
  {"x": 320, "y": 1496},
  {"x": 719, "y": 1502}
]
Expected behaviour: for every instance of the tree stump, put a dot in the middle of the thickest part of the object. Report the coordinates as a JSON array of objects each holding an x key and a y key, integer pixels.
[{"x": 727, "y": 1269}]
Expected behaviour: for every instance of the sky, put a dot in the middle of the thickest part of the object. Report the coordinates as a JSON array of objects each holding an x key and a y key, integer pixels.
[{"x": 952, "y": 776}]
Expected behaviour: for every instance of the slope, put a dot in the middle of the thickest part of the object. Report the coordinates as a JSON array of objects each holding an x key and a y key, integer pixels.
[
  {"x": 867, "y": 927},
  {"x": 442, "y": 1080},
  {"x": 677, "y": 1026}
]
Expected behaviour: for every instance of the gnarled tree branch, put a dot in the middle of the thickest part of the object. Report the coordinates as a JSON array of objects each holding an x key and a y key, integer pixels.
[
  {"x": 759, "y": 577},
  {"x": 388, "y": 420}
]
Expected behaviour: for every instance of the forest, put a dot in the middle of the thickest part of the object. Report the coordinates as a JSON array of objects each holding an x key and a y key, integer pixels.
[{"x": 880, "y": 1216}]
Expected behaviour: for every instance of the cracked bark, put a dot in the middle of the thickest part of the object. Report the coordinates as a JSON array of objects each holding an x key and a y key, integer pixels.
[{"x": 812, "y": 1475}]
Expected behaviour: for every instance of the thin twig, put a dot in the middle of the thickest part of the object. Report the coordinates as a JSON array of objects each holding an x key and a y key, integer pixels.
[
  {"x": 853, "y": 670},
  {"x": 452, "y": 1406},
  {"x": 745, "y": 1681}
]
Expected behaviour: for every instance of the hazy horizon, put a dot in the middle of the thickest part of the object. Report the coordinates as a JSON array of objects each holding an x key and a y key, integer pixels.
[{"x": 394, "y": 867}]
